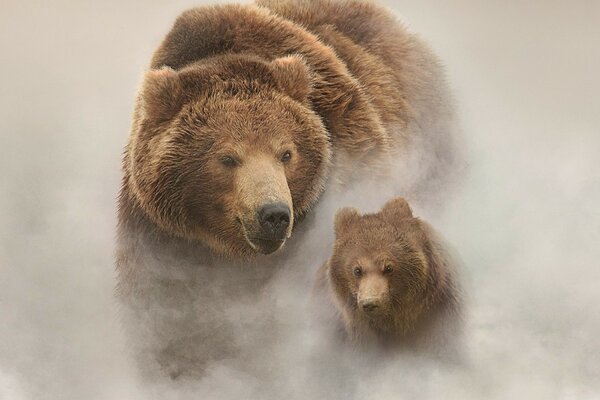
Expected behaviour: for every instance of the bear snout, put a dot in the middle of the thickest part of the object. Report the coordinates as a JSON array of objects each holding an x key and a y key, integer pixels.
[
  {"x": 274, "y": 219},
  {"x": 270, "y": 227},
  {"x": 369, "y": 305},
  {"x": 375, "y": 305},
  {"x": 373, "y": 295}
]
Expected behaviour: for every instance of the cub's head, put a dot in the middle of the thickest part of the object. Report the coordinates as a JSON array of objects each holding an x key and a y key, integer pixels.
[
  {"x": 228, "y": 151},
  {"x": 378, "y": 269}
]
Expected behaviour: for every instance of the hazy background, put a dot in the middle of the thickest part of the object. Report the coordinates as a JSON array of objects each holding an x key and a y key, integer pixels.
[{"x": 526, "y": 223}]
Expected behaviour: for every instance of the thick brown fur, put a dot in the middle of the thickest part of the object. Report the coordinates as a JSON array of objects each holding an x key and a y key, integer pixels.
[
  {"x": 232, "y": 91},
  {"x": 401, "y": 77},
  {"x": 395, "y": 263}
]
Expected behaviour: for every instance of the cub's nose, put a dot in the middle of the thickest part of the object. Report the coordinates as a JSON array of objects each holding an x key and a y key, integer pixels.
[
  {"x": 274, "y": 219},
  {"x": 370, "y": 305}
]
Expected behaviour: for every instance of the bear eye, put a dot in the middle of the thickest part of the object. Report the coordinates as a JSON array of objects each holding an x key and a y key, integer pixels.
[
  {"x": 229, "y": 161},
  {"x": 357, "y": 272},
  {"x": 387, "y": 269},
  {"x": 286, "y": 156}
]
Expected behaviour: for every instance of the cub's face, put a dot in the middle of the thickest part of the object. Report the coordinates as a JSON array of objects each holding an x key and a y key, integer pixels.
[
  {"x": 229, "y": 154},
  {"x": 377, "y": 268}
]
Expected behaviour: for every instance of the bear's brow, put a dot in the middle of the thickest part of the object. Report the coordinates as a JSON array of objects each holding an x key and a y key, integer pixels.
[{"x": 229, "y": 151}]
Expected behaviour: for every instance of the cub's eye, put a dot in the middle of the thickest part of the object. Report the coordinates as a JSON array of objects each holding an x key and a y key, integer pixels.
[
  {"x": 287, "y": 156},
  {"x": 357, "y": 272},
  {"x": 229, "y": 161},
  {"x": 387, "y": 269}
]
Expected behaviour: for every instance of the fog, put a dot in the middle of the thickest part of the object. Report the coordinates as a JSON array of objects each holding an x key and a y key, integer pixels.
[{"x": 525, "y": 221}]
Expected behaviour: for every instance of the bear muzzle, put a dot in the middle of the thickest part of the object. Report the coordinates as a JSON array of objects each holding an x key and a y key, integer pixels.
[
  {"x": 274, "y": 219},
  {"x": 370, "y": 304},
  {"x": 373, "y": 297},
  {"x": 270, "y": 229},
  {"x": 273, "y": 222},
  {"x": 264, "y": 205}
]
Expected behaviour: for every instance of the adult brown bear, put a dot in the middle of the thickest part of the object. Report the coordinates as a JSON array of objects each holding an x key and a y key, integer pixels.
[{"x": 246, "y": 114}]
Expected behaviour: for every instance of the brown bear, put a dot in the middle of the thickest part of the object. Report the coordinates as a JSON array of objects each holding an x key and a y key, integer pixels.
[
  {"x": 247, "y": 113},
  {"x": 392, "y": 281}
]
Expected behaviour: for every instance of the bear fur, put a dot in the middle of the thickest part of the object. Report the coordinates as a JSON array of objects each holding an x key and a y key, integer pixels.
[
  {"x": 251, "y": 105},
  {"x": 392, "y": 281}
]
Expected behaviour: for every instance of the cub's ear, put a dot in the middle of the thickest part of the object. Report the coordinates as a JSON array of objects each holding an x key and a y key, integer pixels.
[
  {"x": 161, "y": 94},
  {"x": 293, "y": 76},
  {"x": 396, "y": 210},
  {"x": 344, "y": 218}
]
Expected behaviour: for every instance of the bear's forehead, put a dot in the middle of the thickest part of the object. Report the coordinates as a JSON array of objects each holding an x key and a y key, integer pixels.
[
  {"x": 371, "y": 247},
  {"x": 373, "y": 228},
  {"x": 374, "y": 238},
  {"x": 263, "y": 107},
  {"x": 236, "y": 120}
]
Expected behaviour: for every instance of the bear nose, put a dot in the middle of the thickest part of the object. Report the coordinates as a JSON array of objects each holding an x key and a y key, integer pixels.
[
  {"x": 274, "y": 218},
  {"x": 370, "y": 305}
]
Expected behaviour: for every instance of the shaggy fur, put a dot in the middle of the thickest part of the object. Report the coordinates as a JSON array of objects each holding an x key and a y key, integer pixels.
[
  {"x": 395, "y": 263},
  {"x": 244, "y": 106}
]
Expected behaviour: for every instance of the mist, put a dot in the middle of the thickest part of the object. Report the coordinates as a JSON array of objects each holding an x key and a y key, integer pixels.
[{"x": 524, "y": 221}]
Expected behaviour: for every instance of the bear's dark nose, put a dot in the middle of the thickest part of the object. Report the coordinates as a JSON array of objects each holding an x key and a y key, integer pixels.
[
  {"x": 369, "y": 306},
  {"x": 274, "y": 219}
]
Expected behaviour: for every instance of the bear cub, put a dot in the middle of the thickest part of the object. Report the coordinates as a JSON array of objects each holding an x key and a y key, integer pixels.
[{"x": 392, "y": 282}]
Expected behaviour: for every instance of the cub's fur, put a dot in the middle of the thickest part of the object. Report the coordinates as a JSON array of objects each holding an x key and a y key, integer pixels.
[{"x": 392, "y": 281}]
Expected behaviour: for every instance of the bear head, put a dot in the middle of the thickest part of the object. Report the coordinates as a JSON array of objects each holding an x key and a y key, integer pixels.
[
  {"x": 379, "y": 268},
  {"x": 228, "y": 151}
]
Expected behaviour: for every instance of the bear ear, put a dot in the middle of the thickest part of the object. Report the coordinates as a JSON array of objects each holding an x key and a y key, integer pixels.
[
  {"x": 293, "y": 76},
  {"x": 161, "y": 94},
  {"x": 396, "y": 210},
  {"x": 344, "y": 218}
]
